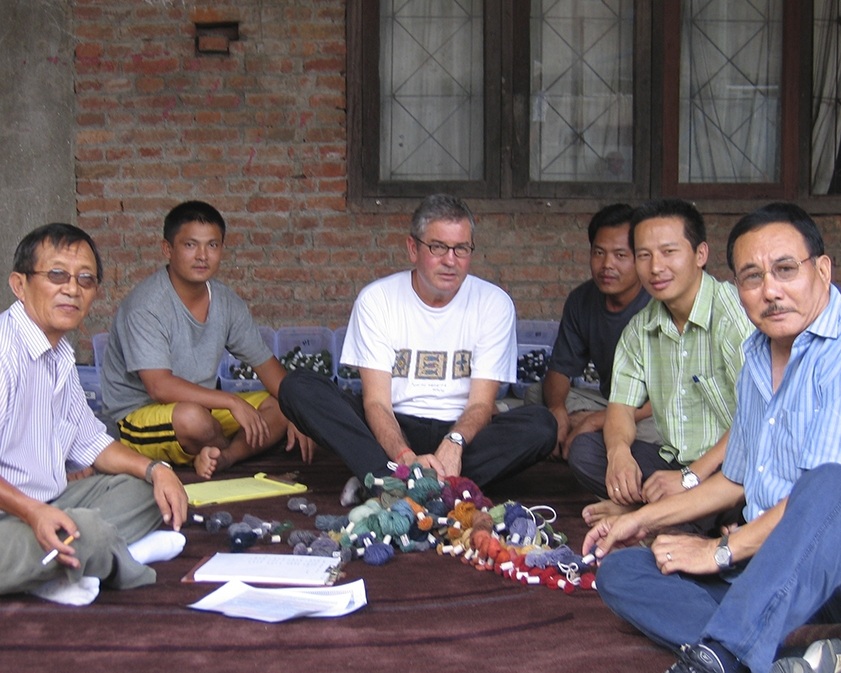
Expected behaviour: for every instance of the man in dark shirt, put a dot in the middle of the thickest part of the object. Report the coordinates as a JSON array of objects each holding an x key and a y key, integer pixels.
[{"x": 594, "y": 316}]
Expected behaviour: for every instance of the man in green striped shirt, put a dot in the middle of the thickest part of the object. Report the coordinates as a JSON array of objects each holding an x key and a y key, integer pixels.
[{"x": 683, "y": 352}]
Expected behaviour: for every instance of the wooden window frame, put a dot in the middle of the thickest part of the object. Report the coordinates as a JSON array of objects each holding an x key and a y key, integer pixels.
[{"x": 506, "y": 185}]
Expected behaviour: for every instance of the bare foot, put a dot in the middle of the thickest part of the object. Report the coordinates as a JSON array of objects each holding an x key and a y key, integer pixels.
[
  {"x": 207, "y": 461},
  {"x": 594, "y": 513}
]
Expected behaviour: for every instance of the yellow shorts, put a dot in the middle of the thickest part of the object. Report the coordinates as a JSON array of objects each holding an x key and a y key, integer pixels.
[{"x": 148, "y": 430}]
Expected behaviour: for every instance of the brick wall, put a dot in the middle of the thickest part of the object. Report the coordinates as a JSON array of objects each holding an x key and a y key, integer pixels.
[{"x": 261, "y": 134}]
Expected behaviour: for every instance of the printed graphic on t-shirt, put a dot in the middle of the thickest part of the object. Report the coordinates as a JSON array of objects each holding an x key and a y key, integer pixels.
[
  {"x": 402, "y": 359},
  {"x": 461, "y": 365},
  {"x": 431, "y": 365}
]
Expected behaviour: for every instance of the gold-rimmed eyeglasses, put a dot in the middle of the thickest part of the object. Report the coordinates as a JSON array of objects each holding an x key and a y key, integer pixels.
[
  {"x": 86, "y": 281},
  {"x": 784, "y": 271}
]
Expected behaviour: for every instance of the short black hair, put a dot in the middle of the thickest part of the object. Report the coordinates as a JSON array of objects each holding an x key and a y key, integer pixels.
[
  {"x": 614, "y": 215},
  {"x": 787, "y": 213},
  {"x": 191, "y": 211},
  {"x": 694, "y": 228},
  {"x": 59, "y": 235}
]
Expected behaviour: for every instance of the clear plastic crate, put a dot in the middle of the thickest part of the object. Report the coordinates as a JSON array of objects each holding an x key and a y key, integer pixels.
[
  {"x": 229, "y": 381},
  {"x": 99, "y": 342},
  {"x": 537, "y": 332},
  {"x": 346, "y": 377},
  {"x": 315, "y": 347},
  {"x": 89, "y": 378},
  {"x": 519, "y": 389}
]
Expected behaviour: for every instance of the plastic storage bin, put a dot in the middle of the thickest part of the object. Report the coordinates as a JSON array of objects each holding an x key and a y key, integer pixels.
[
  {"x": 89, "y": 378},
  {"x": 532, "y": 360},
  {"x": 99, "y": 342},
  {"x": 234, "y": 378},
  {"x": 346, "y": 377},
  {"x": 537, "y": 332},
  {"x": 310, "y": 347}
]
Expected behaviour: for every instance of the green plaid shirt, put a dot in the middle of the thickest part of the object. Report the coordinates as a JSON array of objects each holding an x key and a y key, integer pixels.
[{"x": 690, "y": 378}]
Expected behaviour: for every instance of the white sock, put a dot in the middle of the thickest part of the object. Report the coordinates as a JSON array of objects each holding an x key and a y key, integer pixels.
[
  {"x": 159, "y": 545},
  {"x": 62, "y": 590}
]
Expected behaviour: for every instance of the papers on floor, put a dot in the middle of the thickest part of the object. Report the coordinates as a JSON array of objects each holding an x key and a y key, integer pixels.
[
  {"x": 269, "y": 569},
  {"x": 236, "y": 599}
]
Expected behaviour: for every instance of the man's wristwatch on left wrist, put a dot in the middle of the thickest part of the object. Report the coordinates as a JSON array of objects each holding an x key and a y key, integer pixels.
[
  {"x": 456, "y": 438},
  {"x": 151, "y": 466},
  {"x": 688, "y": 479},
  {"x": 723, "y": 556}
]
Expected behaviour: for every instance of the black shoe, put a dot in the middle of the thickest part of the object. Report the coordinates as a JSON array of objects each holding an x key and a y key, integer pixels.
[
  {"x": 696, "y": 659},
  {"x": 822, "y": 656}
]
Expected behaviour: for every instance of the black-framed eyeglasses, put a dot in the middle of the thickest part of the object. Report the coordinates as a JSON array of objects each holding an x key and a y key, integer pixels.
[
  {"x": 440, "y": 249},
  {"x": 86, "y": 281},
  {"x": 784, "y": 271}
]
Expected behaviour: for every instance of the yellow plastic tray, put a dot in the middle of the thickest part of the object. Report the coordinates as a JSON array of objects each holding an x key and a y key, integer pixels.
[{"x": 261, "y": 485}]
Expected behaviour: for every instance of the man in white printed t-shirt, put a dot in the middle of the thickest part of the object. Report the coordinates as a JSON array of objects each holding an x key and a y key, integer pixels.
[{"x": 432, "y": 345}]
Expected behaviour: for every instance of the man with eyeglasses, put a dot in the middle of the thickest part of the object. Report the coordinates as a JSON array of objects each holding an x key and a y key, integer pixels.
[
  {"x": 61, "y": 537},
  {"x": 432, "y": 345},
  {"x": 729, "y": 602}
]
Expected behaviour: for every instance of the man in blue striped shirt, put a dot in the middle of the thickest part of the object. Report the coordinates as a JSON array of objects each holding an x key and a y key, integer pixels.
[
  {"x": 730, "y": 602},
  {"x": 61, "y": 538}
]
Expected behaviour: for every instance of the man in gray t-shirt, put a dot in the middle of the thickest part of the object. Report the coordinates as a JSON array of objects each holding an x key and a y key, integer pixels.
[{"x": 159, "y": 369}]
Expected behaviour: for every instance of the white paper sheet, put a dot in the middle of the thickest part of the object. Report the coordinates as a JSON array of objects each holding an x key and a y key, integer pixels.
[
  {"x": 236, "y": 599},
  {"x": 269, "y": 569}
]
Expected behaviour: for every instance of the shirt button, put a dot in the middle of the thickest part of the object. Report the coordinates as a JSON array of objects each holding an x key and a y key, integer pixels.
[
  {"x": 760, "y": 512},
  {"x": 683, "y": 391},
  {"x": 685, "y": 418},
  {"x": 771, "y": 421},
  {"x": 761, "y": 468},
  {"x": 685, "y": 354}
]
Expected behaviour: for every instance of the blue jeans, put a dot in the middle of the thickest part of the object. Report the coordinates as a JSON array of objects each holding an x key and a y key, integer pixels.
[{"x": 793, "y": 579}]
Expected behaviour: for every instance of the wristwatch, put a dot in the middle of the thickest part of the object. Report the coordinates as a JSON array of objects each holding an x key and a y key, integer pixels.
[
  {"x": 723, "y": 556},
  {"x": 151, "y": 466},
  {"x": 456, "y": 438},
  {"x": 688, "y": 479}
]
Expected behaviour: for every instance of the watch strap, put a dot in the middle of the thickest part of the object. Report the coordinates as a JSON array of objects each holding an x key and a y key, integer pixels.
[{"x": 151, "y": 466}]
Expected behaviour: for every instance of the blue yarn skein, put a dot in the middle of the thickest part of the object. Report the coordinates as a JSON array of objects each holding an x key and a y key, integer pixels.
[
  {"x": 241, "y": 536},
  {"x": 522, "y": 532},
  {"x": 378, "y": 553}
]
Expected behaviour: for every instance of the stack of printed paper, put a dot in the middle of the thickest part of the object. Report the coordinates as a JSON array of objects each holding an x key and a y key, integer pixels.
[{"x": 236, "y": 599}]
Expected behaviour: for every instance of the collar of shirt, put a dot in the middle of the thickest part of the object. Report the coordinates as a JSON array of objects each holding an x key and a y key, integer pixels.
[
  {"x": 700, "y": 315},
  {"x": 37, "y": 343},
  {"x": 827, "y": 325}
]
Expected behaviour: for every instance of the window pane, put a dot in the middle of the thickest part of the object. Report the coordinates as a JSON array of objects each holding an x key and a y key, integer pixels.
[
  {"x": 431, "y": 90},
  {"x": 581, "y": 126},
  {"x": 730, "y": 88},
  {"x": 826, "y": 111}
]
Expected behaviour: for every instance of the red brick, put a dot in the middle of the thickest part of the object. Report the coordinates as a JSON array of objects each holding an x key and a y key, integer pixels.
[{"x": 97, "y": 205}]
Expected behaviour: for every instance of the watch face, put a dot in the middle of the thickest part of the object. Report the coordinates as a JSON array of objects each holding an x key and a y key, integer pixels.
[
  {"x": 456, "y": 437},
  {"x": 722, "y": 557},
  {"x": 689, "y": 480}
]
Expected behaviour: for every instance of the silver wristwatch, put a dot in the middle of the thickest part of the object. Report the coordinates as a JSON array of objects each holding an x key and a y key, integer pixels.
[
  {"x": 723, "y": 556},
  {"x": 151, "y": 466},
  {"x": 456, "y": 438},
  {"x": 688, "y": 479}
]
